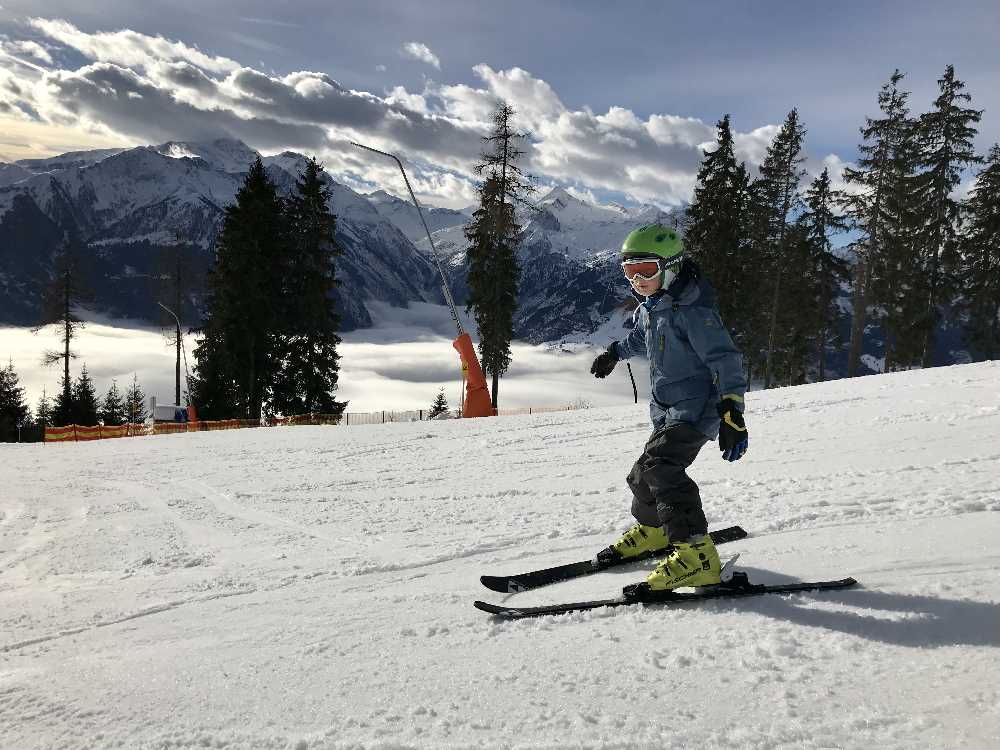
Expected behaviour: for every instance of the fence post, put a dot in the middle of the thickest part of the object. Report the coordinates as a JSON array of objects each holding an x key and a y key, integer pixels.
[{"x": 383, "y": 417}]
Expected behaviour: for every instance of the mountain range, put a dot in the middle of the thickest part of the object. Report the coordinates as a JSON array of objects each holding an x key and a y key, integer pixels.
[{"x": 130, "y": 206}]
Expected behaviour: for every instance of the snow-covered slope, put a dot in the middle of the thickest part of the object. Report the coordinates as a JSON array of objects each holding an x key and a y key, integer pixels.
[
  {"x": 312, "y": 587},
  {"x": 11, "y": 173},
  {"x": 404, "y": 215},
  {"x": 68, "y": 160}
]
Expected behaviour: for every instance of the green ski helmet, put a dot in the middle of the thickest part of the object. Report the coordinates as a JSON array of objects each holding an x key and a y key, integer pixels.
[{"x": 654, "y": 240}]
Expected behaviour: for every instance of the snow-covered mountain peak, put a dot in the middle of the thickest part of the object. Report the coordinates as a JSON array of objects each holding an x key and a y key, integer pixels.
[
  {"x": 382, "y": 198},
  {"x": 226, "y": 154},
  {"x": 68, "y": 160},
  {"x": 558, "y": 198}
]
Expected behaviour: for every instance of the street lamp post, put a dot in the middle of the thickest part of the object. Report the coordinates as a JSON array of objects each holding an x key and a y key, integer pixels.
[{"x": 187, "y": 375}]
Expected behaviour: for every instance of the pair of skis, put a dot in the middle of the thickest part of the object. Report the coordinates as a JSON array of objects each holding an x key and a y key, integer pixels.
[{"x": 737, "y": 585}]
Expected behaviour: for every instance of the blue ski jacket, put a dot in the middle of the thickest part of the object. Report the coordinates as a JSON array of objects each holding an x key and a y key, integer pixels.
[{"x": 693, "y": 362}]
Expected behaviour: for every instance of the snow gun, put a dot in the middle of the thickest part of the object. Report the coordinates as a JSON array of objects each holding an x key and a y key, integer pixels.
[{"x": 477, "y": 393}]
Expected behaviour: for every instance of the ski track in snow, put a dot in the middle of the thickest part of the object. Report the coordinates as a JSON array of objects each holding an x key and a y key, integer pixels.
[{"x": 311, "y": 587}]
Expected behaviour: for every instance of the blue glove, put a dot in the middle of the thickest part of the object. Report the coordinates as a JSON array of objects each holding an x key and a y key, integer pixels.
[{"x": 733, "y": 436}]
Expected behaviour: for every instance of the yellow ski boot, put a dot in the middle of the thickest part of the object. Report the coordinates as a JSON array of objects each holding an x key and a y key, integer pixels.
[
  {"x": 639, "y": 541},
  {"x": 691, "y": 563}
]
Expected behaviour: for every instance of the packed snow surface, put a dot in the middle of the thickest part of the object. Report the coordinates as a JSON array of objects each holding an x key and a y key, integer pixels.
[{"x": 312, "y": 587}]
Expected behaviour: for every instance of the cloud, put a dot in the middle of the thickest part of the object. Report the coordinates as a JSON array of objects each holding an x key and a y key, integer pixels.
[
  {"x": 153, "y": 89},
  {"x": 421, "y": 52},
  {"x": 31, "y": 49},
  {"x": 128, "y": 48},
  {"x": 381, "y": 68}
]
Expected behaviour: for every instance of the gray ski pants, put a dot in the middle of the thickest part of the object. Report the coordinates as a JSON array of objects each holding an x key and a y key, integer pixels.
[{"x": 663, "y": 494}]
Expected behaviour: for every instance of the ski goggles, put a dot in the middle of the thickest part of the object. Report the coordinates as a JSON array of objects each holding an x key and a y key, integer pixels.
[{"x": 641, "y": 269}]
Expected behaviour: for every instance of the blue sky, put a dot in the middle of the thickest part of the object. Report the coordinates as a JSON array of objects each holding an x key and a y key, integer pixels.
[{"x": 620, "y": 96}]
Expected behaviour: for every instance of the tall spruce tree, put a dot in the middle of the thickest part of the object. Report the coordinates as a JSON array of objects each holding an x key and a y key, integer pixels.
[
  {"x": 716, "y": 229},
  {"x": 14, "y": 412},
  {"x": 822, "y": 271},
  {"x": 869, "y": 208},
  {"x": 113, "y": 407},
  {"x": 237, "y": 356},
  {"x": 306, "y": 379},
  {"x": 945, "y": 135},
  {"x": 135, "y": 402},
  {"x": 64, "y": 293},
  {"x": 981, "y": 261},
  {"x": 494, "y": 274},
  {"x": 85, "y": 403},
  {"x": 775, "y": 197},
  {"x": 898, "y": 282}
]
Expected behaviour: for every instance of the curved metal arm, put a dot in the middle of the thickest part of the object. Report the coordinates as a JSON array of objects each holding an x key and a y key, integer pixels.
[
  {"x": 437, "y": 261},
  {"x": 187, "y": 376}
]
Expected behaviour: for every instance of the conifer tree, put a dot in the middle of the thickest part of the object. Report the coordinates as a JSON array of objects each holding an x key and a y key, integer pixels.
[
  {"x": 309, "y": 364},
  {"x": 85, "y": 403},
  {"x": 63, "y": 294},
  {"x": 898, "y": 281},
  {"x": 716, "y": 229},
  {"x": 870, "y": 207},
  {"x": 494, "y": 274},
  {"x": 43, "y": 412},
  {"x": 440, "y": 405},
  {"x": 822, "y": 271},
  {"x": 135, "y": 402},
  {"x": 945, "y": 135},
  {"x": 63, "y": 407},
  {"x": 775, "y": 196},
  {"x": 981, "y": 261},
  {"x": 237, "y": 356},
  {"x": 14, "y": 413},
  {"x": 113, "y": 407}
]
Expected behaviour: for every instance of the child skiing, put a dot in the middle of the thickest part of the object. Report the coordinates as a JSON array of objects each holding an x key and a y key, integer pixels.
[{"x": 697, "y": 387}]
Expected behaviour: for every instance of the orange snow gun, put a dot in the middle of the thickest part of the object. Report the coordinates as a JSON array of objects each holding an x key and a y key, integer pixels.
[{"x": 477, "y": 393}]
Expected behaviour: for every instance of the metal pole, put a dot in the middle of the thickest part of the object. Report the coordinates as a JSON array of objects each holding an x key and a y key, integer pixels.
[
  {"x": 437, "y": 260},
  {"x": 187, "y": 376}
]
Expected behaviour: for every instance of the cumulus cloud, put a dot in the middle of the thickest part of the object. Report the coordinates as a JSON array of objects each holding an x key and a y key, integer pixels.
[
  {"x": 31, "y": 49},
  {"x": 421, "y": 52},
  {"x": 153, "y": 89},
  {"x": 127, "y": 47}
]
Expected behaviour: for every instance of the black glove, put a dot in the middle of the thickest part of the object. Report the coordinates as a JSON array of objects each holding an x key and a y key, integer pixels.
[
  {"x": 733, "y": 436},
  {"x": 605, "y": 362}
]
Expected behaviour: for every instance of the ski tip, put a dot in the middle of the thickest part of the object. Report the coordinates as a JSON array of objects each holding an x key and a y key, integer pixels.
[
  {"x": 493, "y": 583},
  {"x": 495, "y": 609},
  {"x": 501, "y": 584}
]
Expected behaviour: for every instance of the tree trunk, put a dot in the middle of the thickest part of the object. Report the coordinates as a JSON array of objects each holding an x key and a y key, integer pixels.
[
  {"x": 772, "y": 329},
  {"x": 862, "y": 294}
]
